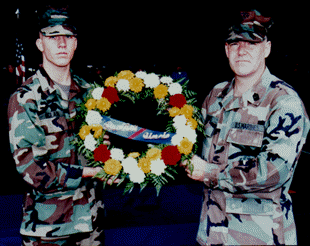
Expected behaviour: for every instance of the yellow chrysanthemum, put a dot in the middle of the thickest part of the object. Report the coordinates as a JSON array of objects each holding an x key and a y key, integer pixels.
[
  {"x": 103, "y": 104},
  {"x": 145, "y": 164},
  {"x": 112, "y": 167},
  {"x": 185, "y": 147},
  {"x": 187, "y": 111},
  {"x": 126, "y": 74},
  {"x": 136, "y": 85},
  {"x": 134, "y": 154},
  {"x": 84, "y": 131},
  {"x": 153, "y": 154},
  {"x": 161, "y": 91},
  {"x": 98, "y": 129},
  {"x": 111, "y": 81},
  {"x": 174, "y": 112},
  {"x": 192, "y": 123},
  {"x": 91, "y": 104}
]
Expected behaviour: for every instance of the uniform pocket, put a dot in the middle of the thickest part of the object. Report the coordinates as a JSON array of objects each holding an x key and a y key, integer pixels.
[{"x": 245, "y": 137}]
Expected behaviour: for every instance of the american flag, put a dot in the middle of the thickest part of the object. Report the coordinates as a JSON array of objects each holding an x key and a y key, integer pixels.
[{"x": 20, "y": 63}]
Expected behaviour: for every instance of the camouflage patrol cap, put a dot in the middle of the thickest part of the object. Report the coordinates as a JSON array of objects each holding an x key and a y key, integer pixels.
[
  {"x": 55, "y": 21},
  {"x": 251, "y": 27}
]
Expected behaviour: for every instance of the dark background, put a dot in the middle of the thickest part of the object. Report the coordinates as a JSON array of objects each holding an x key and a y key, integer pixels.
[
  {"x": 161, "y": 38},
  {"x": 157, "y": 37}
]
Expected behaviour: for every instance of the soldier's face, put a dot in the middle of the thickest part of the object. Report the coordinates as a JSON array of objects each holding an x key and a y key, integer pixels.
[
  {"x": 57, "y": 50},
  {"x": 247, "y": 58}
]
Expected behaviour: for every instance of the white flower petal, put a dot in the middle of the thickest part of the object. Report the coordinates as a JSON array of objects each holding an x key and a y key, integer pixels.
[
  {"x": 123, "y": 85},
  {"x": 93, "y": 117},
  {"x": 141, "y": 74},
  {"x": 158, "y": 167},
  {"x": 166, "y": 80},
  {"x": 90, "y": 142},
  {"x": 117, "y": 154},
  {"x": 151, "y": 80},
  {"x": 137, "y": 176},
  {"x": 175, "y": 88},
  {"x": 97, "y": 93}
]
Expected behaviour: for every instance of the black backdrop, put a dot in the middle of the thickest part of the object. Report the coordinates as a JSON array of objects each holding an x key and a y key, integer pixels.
[{"x": 157, "y": 37}]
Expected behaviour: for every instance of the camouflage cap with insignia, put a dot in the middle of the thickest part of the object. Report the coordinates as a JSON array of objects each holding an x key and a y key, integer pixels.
[
  {"x": 251, "y": 27},
  {"x": 55, "y": 21}
]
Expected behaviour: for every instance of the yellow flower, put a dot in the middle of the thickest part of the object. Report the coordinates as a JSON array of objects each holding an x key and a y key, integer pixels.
[
  {"x": 145, "y": 164},
  {"x": 174, "y": 112},
  {"x": 111, "y": 81},
  {"x": 103, "y": 104},
  {"x": 185, "y": 147},
  {"x": 153, "y": 154},
  {"x": 97, "y": 129},
  {"x": 187, "y": 111},
  {"x": 84, "y": 131},
  {"x": 91, "y": 104},
  {"x": 134, "y": 154},
  {"x": 112, "y": 167},
  {"x": 161, "y": 91},
  {"x": 136, "y": 85},
  {"x": 192, "y": 123},
  {"x": 126, "y": 74}
]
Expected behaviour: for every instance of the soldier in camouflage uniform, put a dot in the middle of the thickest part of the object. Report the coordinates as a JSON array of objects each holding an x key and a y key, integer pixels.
[
  {"x": 256, "y": 126},
  {"x": 60, "y": 205}
]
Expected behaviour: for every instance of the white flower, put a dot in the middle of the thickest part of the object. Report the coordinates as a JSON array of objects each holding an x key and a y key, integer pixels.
[
  {"x": 130, "y": 164},
  {"x": 90, "y": 142},
  {"x": 97, "y": 93},
  {"x": 93, "y": 117},
  {"x": 158, "y": 167},
  {"x": 179, "y": 121},
  {"x": 123, "y": 85},
  {"x": 151, "y": 80},
  {"x": 141, "y": 74},
  {"x": 175, "y": 88},
  {"x": 176, "y": 139},
  {"x": 166, "y": 80},
  {"x": 137, "y": 176},
  {"x": 117, "y": 154},
  {"x": 188, "y": 132}
]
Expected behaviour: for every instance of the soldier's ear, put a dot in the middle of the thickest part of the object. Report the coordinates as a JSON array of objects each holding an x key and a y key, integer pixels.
[{"x": 39, "y": 44}]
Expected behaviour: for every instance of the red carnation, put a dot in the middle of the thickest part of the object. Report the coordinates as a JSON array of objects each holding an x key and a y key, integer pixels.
[
  {"x": 177, "y": 100},
  {"x": 102, "y": 153},
  {"x": 171, "y": 155},
  {"x": 110, "y": 93}
]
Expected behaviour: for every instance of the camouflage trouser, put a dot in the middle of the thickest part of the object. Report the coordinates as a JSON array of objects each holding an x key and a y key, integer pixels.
[{"x": 95, "y": 238}]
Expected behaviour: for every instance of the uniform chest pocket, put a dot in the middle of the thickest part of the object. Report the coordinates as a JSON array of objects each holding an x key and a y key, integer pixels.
[
  {"x": 53, "y": 122},
  {"x": 246, "y": 134}
]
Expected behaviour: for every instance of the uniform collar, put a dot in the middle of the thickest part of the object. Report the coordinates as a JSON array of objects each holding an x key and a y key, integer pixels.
[
  {"x": 253, "y": 96},
  {"x": 49, "y": 87}
]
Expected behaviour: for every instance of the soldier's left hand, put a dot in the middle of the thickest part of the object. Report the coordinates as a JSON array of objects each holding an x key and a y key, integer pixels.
[
  {"x": 106, "y": 139},
  {"x": 199, "y": 166}
]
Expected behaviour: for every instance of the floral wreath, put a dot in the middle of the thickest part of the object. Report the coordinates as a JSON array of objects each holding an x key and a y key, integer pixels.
[{"x": 160, "y": 160}]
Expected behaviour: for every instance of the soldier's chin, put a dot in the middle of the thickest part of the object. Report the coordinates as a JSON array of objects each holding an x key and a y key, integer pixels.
[{"x": 62, "y": 62}]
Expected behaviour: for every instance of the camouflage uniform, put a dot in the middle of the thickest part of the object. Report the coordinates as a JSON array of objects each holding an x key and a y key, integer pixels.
[
  {"x": 58, "y": 202},
  {"x": 252, "y": 147}
]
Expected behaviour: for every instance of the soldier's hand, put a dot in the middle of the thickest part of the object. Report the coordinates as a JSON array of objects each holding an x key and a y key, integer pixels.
[
  {"x": 199, "y": 166},
  {"x": 89, "y": 172},
  {"x": 106, "y": 139}
]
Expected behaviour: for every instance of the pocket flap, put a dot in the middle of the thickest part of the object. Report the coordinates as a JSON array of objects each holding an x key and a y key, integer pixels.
[
  {"x": 245, "y": 137},
  {"x": 249, "y": 206}
]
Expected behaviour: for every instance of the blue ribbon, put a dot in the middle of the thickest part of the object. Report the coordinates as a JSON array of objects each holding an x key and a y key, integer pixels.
[{"x": 133, "y": 132}]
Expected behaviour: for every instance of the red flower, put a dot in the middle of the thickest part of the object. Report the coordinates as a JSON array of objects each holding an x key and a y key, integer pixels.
[
  {"x": 171, "y": 155},
  {"x": 177, "y": 100},
  {"x": 102, "y": 153},
  {"x": 110, "y": 93}
]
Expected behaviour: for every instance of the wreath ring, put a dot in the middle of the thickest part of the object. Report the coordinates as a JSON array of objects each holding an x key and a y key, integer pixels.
[{"x": 166, "y": 149}]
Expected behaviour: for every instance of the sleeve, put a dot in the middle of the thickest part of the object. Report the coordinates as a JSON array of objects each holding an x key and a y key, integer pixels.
[
  {"x": 30, "y": 147},
  {"x": 272, "y": 165}
]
